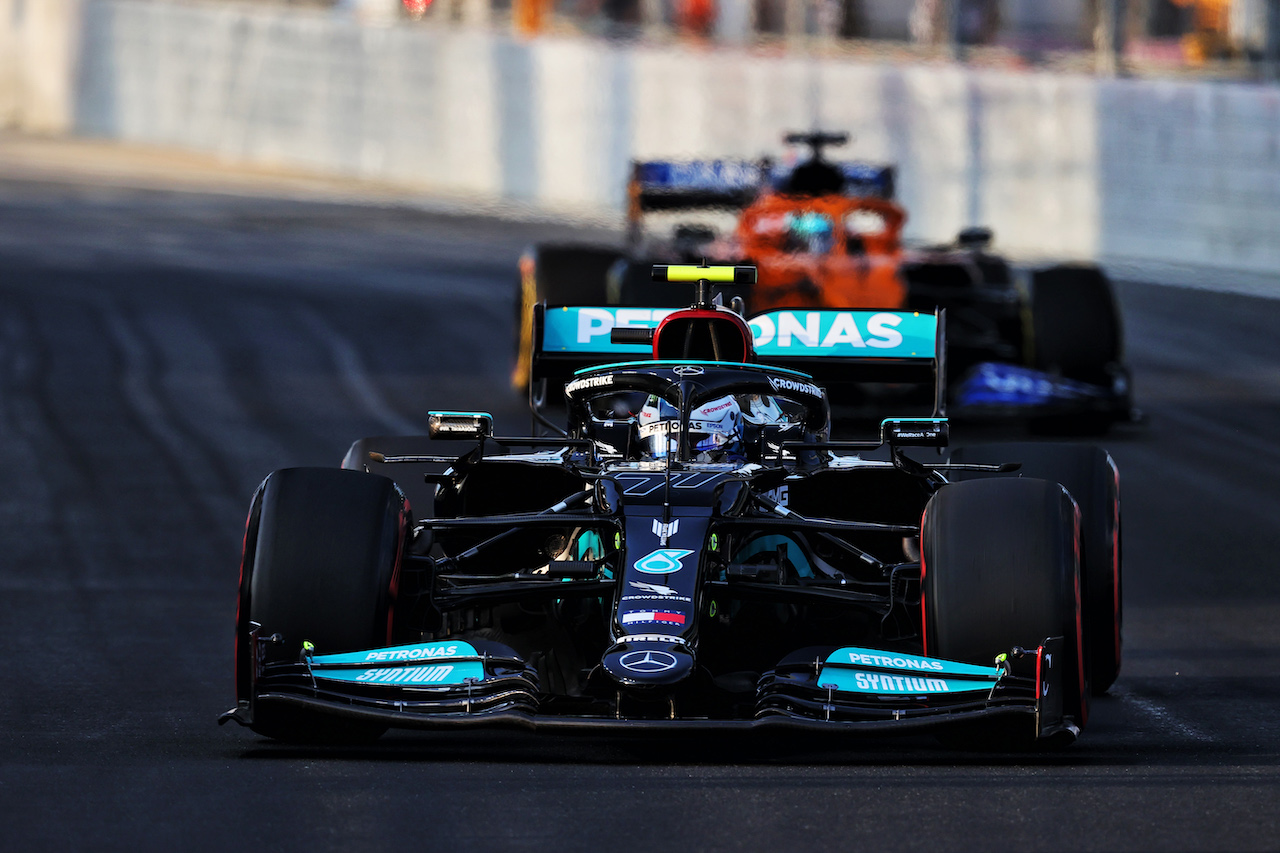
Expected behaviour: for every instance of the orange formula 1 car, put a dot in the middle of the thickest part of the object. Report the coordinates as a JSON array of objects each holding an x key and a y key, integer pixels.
[
  {"x": 822, "y": 234},
  {"x": 823, "y": 252},
  {"x": 1042, "y": 344}
]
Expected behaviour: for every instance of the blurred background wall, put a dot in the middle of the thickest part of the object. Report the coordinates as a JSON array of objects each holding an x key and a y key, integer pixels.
[
  {"x": 38, "y": 54},
  {"x": 1059, "y": 163}
]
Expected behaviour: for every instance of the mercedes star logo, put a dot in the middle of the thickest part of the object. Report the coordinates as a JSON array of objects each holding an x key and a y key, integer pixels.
[
  {"x": 687, "y": 370},
  {"x": 648, "y": 661}
]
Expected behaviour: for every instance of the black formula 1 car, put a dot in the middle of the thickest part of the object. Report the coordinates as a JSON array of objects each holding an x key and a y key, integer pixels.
[
  {"x": 693, "y": 551},
  {"x": 1042, "y": 344}
]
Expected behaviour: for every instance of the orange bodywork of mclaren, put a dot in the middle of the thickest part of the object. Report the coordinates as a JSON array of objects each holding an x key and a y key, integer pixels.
[{"x": 851, "y": 261}]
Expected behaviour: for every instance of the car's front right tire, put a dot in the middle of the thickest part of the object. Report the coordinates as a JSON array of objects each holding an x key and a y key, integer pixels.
[{"x": 1001, "y": 569}]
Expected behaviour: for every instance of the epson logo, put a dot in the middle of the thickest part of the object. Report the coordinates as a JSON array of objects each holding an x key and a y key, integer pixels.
[
  {"x": 714, "y": 174},
  {"x": 780, "y": 384}
]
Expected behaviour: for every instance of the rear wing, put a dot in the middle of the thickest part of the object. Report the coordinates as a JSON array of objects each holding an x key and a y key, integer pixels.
[
  {"x": 861, "y": 180},
  {"x": 837, "y": 347},
  {"x": 690, "y": 184},
  {"x": 681, "y": 185}
]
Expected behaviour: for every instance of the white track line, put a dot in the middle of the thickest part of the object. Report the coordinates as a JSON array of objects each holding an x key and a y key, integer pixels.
[{"x": 1163, "y": 716}]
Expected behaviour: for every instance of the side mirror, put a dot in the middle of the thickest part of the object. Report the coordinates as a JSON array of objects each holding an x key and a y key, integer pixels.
[
  {"x": 460, "y": 425},
  {"x": 631, "y": 335},
  {"x": 915, "y": 432}
]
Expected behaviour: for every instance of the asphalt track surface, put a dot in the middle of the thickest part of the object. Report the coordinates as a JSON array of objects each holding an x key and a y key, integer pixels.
[{"x": 160, "y": 352}]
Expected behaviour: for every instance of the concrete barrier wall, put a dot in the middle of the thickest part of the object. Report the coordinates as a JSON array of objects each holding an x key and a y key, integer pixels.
[
  {"x": 38, "y": 50},
  {"x": 1159, "y": 172},
  {"x": 1190, "y": 171}
]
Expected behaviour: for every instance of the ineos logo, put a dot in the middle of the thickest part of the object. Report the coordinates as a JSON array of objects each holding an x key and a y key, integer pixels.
[
  {"x": 648, "y": 661},
  {"x": 687, "y": 370}
]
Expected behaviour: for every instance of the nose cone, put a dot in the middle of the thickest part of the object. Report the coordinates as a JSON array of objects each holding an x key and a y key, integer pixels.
[{"x": 648, "y": 661}]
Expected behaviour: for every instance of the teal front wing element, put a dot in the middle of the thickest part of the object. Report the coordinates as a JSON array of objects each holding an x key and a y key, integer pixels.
[
  {"x": 869, "y": 671},
  {"x": 845, "y": 334},
  {"x": 440, "y": 664}
]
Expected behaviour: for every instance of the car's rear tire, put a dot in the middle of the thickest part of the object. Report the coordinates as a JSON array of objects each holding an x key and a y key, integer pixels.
[
  {"x": 1000, "y": 569},
  {"x": 1076, "y": 323},
  {"x": 323, "y": 567},
  {"x": 1076, "y": 334},
  {"x": 1091, "y": 476}
]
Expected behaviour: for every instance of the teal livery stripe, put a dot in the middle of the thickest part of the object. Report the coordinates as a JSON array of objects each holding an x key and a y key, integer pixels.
[
  {"x": 845, "y": 334},
  {"x": 417, "y": 665},
  {"x": 857, "y": 670},
  {"x": 884, "y": 684},
  {"x": 440, "y": 674},
  {"x": 800, "y": 333},
  {"x": 586, "y": 330},
  {"x": 422, "y": 652},
  {"x": 874, "y": 659}
]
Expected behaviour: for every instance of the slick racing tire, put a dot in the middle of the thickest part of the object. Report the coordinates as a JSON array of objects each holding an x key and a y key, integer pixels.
[
  {"x": 323, "y": 567},
  {"x": 1091, "y": 476},
  {"x": 1077, "y": 334},
  {"x": 556, "y": 275},
  {"x": 1000, "y": 570},
  {"x": 1075, "y": 323}
]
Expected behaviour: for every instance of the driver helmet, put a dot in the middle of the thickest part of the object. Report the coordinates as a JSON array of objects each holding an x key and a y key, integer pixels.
[
  {"x": 715, "y": 430},
  {"x": 810, "y": 232}
]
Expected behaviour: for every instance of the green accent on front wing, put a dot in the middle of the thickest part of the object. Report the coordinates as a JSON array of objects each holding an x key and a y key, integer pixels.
[
  {"x": 869, "y": 671},
  {"x": 416, "y": 665}
]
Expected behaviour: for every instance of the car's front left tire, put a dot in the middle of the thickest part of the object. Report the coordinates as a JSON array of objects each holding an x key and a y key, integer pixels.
[{"x": 321, "y": 564}]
